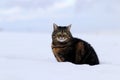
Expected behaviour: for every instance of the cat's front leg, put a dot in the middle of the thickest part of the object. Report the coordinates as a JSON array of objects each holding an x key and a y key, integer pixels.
[{"x": 60, "y": 58}]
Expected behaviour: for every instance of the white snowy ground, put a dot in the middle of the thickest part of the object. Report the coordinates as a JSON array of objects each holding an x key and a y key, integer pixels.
[{"x": 28, "y": 56}]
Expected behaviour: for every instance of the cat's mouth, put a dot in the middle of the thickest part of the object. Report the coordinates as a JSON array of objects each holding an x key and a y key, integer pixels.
[{"x": 61, "y": 39}]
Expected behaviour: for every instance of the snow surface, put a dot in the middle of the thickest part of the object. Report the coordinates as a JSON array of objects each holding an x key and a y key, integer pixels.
[{"x": 28, "y": 56}]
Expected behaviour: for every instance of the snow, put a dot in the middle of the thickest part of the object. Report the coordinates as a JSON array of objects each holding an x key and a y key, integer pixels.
[{"x": 28, "y": 56}]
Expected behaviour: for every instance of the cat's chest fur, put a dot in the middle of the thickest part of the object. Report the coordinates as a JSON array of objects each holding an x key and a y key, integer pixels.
[{"x": 62, "y": 50}]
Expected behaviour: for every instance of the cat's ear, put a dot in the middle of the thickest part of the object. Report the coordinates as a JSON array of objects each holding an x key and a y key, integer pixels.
[
  {"x": 69, "y": 27},
  {"x": 55, "y": 26}
]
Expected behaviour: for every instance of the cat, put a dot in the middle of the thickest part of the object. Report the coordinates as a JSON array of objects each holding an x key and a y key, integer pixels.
[{"x": 66, "y": 48}]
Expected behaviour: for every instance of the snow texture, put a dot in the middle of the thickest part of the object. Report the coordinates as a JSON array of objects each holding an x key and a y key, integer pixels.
[{"x": 28, "y": 56}]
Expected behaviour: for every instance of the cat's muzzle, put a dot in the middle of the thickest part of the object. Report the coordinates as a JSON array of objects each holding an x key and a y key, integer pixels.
[{"x": 61, "y": 39}]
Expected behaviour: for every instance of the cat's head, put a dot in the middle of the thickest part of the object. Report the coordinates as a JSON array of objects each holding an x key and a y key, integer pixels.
[{"x": 61, "y": 33}]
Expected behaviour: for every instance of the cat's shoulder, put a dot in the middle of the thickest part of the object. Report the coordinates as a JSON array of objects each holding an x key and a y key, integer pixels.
[{"x": 78, "y": 40}]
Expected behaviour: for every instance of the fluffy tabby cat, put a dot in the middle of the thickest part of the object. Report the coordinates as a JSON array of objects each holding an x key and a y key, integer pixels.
[{"x": 66, "y": 48}]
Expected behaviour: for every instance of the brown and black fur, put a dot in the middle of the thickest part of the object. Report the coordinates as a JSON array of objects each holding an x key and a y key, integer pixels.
[{"x": 73, "y": 49}]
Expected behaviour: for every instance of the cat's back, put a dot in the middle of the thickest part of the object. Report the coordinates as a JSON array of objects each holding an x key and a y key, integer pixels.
[{"x": 78, "y": 41}]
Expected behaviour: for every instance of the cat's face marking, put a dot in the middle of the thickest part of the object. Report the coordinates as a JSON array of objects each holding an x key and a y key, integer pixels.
[
  {"x": 61, "y": 33},
  {"x": 61, "y": 36},
  {"x": 61, "y": 39}
]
